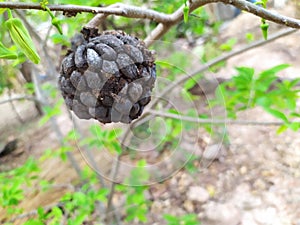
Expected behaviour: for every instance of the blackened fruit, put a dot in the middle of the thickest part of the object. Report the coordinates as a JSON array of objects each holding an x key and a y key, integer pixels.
[{"x": 107, "y": 76}]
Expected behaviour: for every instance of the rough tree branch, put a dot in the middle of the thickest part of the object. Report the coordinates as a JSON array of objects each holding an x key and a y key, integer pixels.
[
  {"x": 215, "y": 121},
  {"x": 121, "y": 10},
  {"x": 177, "y": 16},
  {"x": 143, "y": 13},
  {"x": 20, "y": 98}
]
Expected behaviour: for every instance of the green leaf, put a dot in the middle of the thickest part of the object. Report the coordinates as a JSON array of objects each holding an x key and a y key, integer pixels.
[
  {"x": 186, "y": 95},
  {"x": 294, "y": 114},
  {"x": 117, "y": 147},
  {"x": 5, "y": 53},
  {"x": 22, "y": 39},
  {"x": 60, "y": 39},
  {"x": 228, "y": 45},
  {"x": 96, "y": 130},
  {"x": 291, "y": 103},
  {"x": 44, "y": 3},
  {"x": 171, "y": 219},
  {"x": 101, "y": 195},
  {"x": 264, "y": 101},
  {"x": 244, "y": 79},
  {"x": 274, "y": 70},
  {"x": 112, "y": 135},
  {"x": 29, "y": 87},
  {"x": 294, "y": 126},
  {"x": 262, "y": 3},
  {"x": 33, "y": 222},
  {"x": 282, "y": 128},
  {"x": 72, "y": 135},
  {"x": 55, "y": 21},
  {"x": 249, "y": 37},
  {"x": 264, "y": 29},
  {"x": 277, "y": 114},
  {"x": 190, "y": 219},
  {"x": 186, "y": 10},
  {"x": 41, "y": 212},
  {"x": 78, "y": 220},
  {"x": 192, "y": 81},
  {"x": 51, "y": 112},
  {"x": 2, "y": 10}
]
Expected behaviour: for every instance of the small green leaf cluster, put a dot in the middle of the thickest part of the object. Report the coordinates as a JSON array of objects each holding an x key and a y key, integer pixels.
[
  {"x": 103, "y": 139},
  {"x": 136, "y": 204},
  {"x": 80, "y": 205},
  {"x": 13, "y": 183},
  {"x": 247, "y": 90},
  {"x": 75, "y": 208}
]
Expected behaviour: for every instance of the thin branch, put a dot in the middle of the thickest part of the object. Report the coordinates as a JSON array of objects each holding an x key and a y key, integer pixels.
[
  {"x": 214, "y": 121},
  {"x": 157, "y": 33},
  {"x": 124, "y": 10},
  {"x": 114, "y": 173},
  {"x": 177, "y": 16},
  {"x": 15, "y": 109},
  {"x": 143, "y": 13},
  {"x": 99, "y": 18},
  {"x": 264, "y": 13},
  {"x": 20, "y": 98}
]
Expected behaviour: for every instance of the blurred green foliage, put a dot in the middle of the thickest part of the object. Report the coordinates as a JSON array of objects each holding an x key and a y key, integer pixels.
[{"x": 248, "y": 89}]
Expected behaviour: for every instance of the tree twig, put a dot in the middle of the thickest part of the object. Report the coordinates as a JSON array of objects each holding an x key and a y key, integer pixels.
[
  {"x": 214, "y": 121},
  {"x": 99, "y": 18},
  {"x": 20, "y": 98},
  {"x": 264, "y": 13},
  {"x": 15, "y": 109},
  {"x": 143, "y": 13},
  {"x": 177, "y": 16},
  {"x": 114, "y": 173},
  {"x": 123, "y": 10}
]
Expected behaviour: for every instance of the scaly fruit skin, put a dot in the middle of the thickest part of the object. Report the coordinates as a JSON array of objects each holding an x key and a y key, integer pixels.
[{"x": 107, "y": 76}]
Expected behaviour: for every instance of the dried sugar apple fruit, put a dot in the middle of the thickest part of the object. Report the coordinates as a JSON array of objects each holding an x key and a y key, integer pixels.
[{"x": 107, "y": 76}]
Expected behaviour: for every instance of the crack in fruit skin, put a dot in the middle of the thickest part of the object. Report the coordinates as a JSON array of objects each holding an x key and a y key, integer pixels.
[{"x": 107, "y": 76}]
